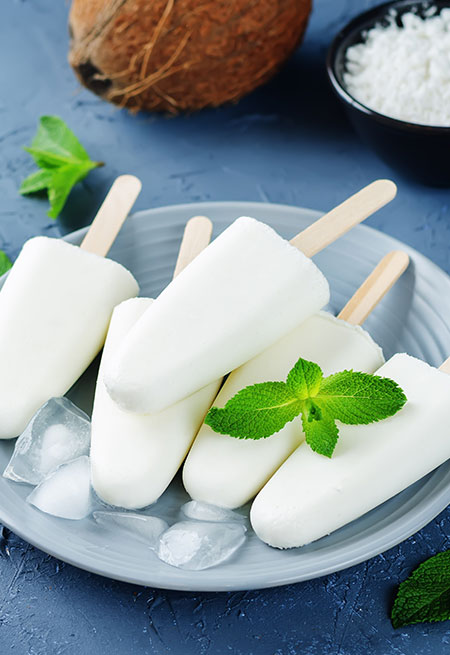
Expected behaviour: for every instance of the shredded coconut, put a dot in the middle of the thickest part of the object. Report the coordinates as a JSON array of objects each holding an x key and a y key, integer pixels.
[{"x": 404, "y": 71}]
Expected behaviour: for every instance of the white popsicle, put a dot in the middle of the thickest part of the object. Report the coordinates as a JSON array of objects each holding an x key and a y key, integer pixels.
[
  {"x": 229, "y": 472},
  {"x": 203, "y": 324},
  {"x": 245, "y": 291},
  {"x": 135, "y": 456},
  {"x": 311, "y": 495},
  {"x": 55, "y": 308}
]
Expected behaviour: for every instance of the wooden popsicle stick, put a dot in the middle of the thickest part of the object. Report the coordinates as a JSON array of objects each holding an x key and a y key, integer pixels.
[
  {"x": 197, "y": 235},
  {"x": 375, "y": 287},
  {"x": 445, "y": 366},
  {"x": 111, "y": 215},
  {"x": 342, "y": 218}
]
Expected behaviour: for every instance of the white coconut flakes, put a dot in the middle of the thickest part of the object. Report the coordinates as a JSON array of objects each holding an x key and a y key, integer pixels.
[{"x": 404, "y": 72}]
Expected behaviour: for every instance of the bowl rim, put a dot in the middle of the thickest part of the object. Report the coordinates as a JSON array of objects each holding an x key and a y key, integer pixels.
[{"x": 358, "y": 24}]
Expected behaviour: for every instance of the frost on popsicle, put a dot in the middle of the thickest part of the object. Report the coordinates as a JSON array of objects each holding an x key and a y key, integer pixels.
[
  {"x": 351, "y": 397},
  {"x": 66, "y": 492},
  {"x": 198, "y": 545},
  {"x": 57, "y": 433}
]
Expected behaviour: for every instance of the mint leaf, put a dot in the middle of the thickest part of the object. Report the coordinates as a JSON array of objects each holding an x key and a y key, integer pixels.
[
  {"x": 255, "y": 412},
  {"x": 5, "y": 263},
  {"x": 62, "y": 181},
  {"x": 304, "y": 379},
  {"x": 36, "y": 182},
  {"x": 358, "y": 398},
  {"x": 260, "y": 410},
  {"x": 425, "y": 595},
  {"x": 63, "y": 160},
  {"x": 321, "y": 432},
  {"x": 55, "y": 142}
]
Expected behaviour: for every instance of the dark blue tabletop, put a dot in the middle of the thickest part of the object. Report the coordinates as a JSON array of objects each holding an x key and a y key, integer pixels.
[{"x": 287, "y": 143}]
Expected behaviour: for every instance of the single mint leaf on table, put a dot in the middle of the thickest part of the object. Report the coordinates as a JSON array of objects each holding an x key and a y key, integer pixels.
[
  {"x": 354, "y": 398},
  {"x": 55, "y": 144},
  {"x": 63, "y": 179},
  {"x": 38, "y": 181},
  {"x": 5, "y": 263},
  {"x": 62, "y": 159},
  {"x": 425, "y": 596}
]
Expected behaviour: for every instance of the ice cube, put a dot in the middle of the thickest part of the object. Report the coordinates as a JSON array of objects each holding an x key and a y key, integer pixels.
[
  {"x": 57, "y": 433},
  {"x": 201, "y": 511},
  {"x": 66, "y": 492},
  {"x": 197, "y": 545},
  {"x": 146, "y": 528}
]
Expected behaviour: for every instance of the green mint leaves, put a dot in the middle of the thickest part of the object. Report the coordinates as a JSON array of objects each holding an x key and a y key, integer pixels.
[
  {"x": 5, "y": 262},
  {"x": 62, "y": 159},
  {"x": 255, "y": 412},
  {"x": 425, "y": 595},
  {"x": 260, "y": 410}
]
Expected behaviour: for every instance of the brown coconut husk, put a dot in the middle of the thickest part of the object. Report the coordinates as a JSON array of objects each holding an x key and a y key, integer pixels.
[{"x": 175, "y": 55}]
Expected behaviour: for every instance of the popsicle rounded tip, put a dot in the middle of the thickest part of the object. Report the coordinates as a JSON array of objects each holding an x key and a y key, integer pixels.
[
  {"x": 130, "y": 181},
  {"x": 202, "y": 222},
  {"x": 386, "y": 187},
  {"x": 112, "y": 214},
  {"x": 401, "y": 259}
]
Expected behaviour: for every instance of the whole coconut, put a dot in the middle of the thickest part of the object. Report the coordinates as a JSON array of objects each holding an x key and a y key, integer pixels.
[{"x": 174, "y": 55}]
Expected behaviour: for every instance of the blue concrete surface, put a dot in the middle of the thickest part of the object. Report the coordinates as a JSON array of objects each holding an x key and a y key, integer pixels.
[{"x": 288, "y": 143}]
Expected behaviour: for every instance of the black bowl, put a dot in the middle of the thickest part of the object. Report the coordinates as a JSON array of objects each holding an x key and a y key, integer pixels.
[{"x": 420, "y": 152}]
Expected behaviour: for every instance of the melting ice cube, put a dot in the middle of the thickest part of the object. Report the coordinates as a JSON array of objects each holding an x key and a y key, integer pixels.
[
  {"x": 147, "y": 528},
  {"x": 57, "y": 433},
  {"x": 200, "y": 511},
  {"x": 66, "y": 492},
  {"x": 197, "y": 545}
]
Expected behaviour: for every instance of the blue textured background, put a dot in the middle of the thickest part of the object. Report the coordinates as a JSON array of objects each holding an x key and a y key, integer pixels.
[{"x": 288, "y": 143}]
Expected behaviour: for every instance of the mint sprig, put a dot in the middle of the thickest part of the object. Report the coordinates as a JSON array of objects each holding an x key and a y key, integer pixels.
[
  {"x": 353, "y": 398},
  {"x": 62, "y": 159},
  {"x": 425, "y": 596}
]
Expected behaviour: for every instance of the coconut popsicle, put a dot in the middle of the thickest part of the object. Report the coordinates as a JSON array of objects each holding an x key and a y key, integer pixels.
[
  {"x": 245, "y": 291},
  {"x": 55, "y": 308},
  {"x": 311, "y": 495},
  {"x": 135, "y": 456},
  {"x": 226, "y": 471}
]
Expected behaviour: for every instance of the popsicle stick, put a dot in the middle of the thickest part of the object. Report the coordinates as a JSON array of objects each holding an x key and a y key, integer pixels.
[
  {"x": 197, "y": 235},
  {"x": 342, "y": 218},
  {"x": 445, "y": 366},
  {"x": 112, "y": 214},
  {"x": 375, "y": 287}
]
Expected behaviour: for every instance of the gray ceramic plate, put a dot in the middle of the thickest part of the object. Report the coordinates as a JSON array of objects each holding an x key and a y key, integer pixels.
[{"x": 411, "y": 318}]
